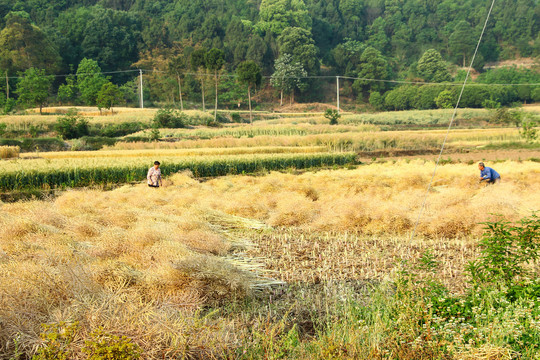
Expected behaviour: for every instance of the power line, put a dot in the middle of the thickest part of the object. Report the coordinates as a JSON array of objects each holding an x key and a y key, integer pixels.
[
  {"x": 82, "y": 74},
  {"x": 410, "y": 82},
  {"x": 451, "y": 122}
]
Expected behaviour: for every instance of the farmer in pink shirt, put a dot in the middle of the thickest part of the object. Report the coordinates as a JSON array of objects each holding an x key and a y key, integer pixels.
[{"x": 154, "y": 175}]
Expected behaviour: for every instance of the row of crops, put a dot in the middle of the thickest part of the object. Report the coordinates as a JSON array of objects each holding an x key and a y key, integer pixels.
[
  {"x": 244, "y": 131},
  {"x": 178, "y": 152},
  {"x": 53, "y": 173}
]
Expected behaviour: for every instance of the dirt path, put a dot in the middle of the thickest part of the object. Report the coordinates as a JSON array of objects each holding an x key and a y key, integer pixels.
[{"x": 480, "y": 155}]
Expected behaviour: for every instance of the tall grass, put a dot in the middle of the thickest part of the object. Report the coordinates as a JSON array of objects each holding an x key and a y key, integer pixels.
[{"x": 48, "y": 173}]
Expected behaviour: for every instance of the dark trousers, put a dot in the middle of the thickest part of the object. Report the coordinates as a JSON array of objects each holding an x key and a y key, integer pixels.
[{"x": 494, "y": 181}]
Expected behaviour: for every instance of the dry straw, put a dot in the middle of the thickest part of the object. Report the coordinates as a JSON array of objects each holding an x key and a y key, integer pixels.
[{"x": 9, "y": 152}]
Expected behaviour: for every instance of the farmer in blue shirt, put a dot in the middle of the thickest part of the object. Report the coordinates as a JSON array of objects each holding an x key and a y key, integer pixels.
[{"x": 488, "y": 175}]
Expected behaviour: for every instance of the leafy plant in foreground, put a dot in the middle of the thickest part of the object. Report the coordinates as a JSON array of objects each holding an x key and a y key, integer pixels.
[{"x": 506, "y": 249}]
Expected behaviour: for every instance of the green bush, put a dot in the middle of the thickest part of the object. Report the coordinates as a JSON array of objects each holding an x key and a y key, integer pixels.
[
  {"x": 332, "y": 115},
  {"x": 401, "y": 98},
  {"x": 169, "y": 118},
  {"x": 122, "y": 129},
  {"x": 425, "y": 98},
  {"x": 491, "y": 104},
  {"x": 506, "y": 250},
  {"x": 104, "y": 346},
  {"x": 222, "y": 118},
  {"x": 72, "y": 125},
  {"x": 528, "y": 131},
  {"x": 56, "y": 340},
  {"x": 92, "y": 143},
  {"x": 376, "y": 100},
  {"x": 235, "y": 117}
]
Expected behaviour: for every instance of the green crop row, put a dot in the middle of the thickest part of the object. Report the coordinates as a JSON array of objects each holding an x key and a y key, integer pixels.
[{"x": 31, "y": 174}]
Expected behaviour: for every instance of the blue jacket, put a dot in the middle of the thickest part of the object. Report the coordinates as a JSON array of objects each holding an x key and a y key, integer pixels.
[{"x": 489, "y": 174}]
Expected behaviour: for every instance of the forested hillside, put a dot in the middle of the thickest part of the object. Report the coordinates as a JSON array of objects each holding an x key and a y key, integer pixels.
[{"x": 330, "y": 37}]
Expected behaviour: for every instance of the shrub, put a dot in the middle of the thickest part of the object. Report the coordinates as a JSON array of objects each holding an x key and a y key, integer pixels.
[
  {"x": 445, "y": 100},
  {"x": 3, "y": 128},
  {"x": 506, "y": 249},
  {"x": 122, "y": 129},
  {"x": 56, "y": 339},
  {"x": 528, "y": 131},
  {"x": 43, "y": 144},
  {"x": 235, "y": 117},
  {"x": 9, "y": 105},
  {"x": 426, "y": 95},
  {"x": 72, "y": 126},
  {"x": 92, "y": 143},
  {"x": 169, "y": 118},
  {"x": 491, "y": 104},
  {"x": 222, "y": 118},
  {"x": 501, "y": 116},
  {"x": 401, "y": 98},
  {"x": 376, "y": 100},
  {"x": 332, "y": 115},
  {"x": 104, "y": 346}
]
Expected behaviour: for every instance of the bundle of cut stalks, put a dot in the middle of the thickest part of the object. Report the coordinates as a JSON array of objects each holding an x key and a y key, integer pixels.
[
  {"x": 9, "y": 152},
  {"x": 488, "y": 352}
]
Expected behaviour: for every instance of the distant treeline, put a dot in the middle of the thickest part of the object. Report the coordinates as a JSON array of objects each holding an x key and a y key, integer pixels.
[{"x": 391, "y": 39}]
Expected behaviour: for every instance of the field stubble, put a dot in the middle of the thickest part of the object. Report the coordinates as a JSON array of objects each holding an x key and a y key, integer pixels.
[{"x": 143, "y": 263}]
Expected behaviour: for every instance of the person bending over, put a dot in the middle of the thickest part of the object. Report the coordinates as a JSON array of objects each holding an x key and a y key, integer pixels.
[
  {"x": 488, "y": 175},
  {"x": 154, "y": 175}
]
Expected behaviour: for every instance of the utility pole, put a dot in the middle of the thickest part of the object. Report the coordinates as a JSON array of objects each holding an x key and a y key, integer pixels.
[
  {"x": 337, "y": 93},
  {"x": 141, "y": 98},
  {"x": 7, "y": 85}
]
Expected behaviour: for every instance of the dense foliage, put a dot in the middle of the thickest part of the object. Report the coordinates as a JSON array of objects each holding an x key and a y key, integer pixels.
[{"x": 405, "y": 39}]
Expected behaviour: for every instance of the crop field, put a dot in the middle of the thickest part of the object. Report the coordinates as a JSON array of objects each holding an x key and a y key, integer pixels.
[
  {"x": 146, "y": 264},
  {"x": 285, "y": 239},
  {"x": 77, "y": 172}
]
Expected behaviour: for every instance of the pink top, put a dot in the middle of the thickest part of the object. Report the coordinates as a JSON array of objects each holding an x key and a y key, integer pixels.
[{"x": 154, "y": 176}]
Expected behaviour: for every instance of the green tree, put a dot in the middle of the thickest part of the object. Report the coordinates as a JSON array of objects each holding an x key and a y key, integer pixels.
[
  {"x": 108, "y": 95},
  {"x": 276, "y": 15},
  {"x": 257, "y": 50},
  {"x": 249, "y": 73},
  {"x": 215, "y": 59},
  {"x": 461, "y": 42},
  {"x": 33, "y": 88},
  {"x": 90, "y": 80},
  {"x": 198, "y": 64},
  {"x": 176, "y": 67},
  {"x": 67, "y": 93},
  {"x": 289, "y": 75},
  {"x": 109, "y": 36},
  {"x": 376, "y": 100},
  {"x": 346, "y": 56},
  {"x": 298, "y": 42},
  {"x": 372, "y": 66},
  {"x": 353, "y": 15},
  {"x": 24, "y": 45},
  {"x": 432, "y": 68},
  {"x": 377, "y": 35},
  {"x": 445, "y": 100}
]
